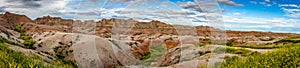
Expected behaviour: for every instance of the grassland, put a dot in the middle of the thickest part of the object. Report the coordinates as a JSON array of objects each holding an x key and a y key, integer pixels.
[
  {"x": 286, "y": 57},
  {"x": 155, "y": 53},
  {"x": 14, "y": 59}
]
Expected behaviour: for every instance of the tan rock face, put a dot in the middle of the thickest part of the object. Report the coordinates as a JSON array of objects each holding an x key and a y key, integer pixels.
[
  {"x": 87, "y": 50},
  {"x": 47, "y": 20}
]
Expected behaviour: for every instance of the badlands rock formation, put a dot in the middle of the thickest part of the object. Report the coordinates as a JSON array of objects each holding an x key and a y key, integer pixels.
[{"x": 120, "y": 42}]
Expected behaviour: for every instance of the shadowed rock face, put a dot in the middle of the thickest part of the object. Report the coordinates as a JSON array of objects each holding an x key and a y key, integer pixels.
[{"x": 16, "y": 19}]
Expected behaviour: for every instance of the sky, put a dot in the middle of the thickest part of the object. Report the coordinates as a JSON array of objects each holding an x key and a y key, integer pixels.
[{"x": 245, "y": 15}]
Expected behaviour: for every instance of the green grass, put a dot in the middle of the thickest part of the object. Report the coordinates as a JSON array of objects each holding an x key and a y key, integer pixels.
[
  {"x": 14, "y": 59},
  {"x": 292, "y": 37},
  {"x": 278, "y": 44},
  {"x": 28, "y": 42},
  {"x": 155, "y": 53},
  {"x": 258, "y": 47},
  {"x": 7, "y": 41},
  {"x": 231, "y": 50},
  {"x": 286, "y": 57},
  {"x": 146, "y": 56},
  {"x": 288, "y": 41},
  {"x": 266, "y": 46}
]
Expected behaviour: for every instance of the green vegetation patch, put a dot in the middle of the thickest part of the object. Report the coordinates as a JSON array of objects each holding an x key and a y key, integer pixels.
[
  {"x": 18, "y": 29},
  {"x": 14, "y": 59},
  {"x": 287, "y": 57},
  {"x": 258, "y": 47},
  {"x": 293, "y": 37},
  {"x": 155, "y": 53},
  {"x": 2, "y": 40},
  {"x": 267, "y": 46},
  {"x": 289, "y": 40},
  {"x": 28, "y": 42},
  {"x": 200, "y": 45},
  {"x": 230, "y": 42},
  {"x": 232, "y": 50}
]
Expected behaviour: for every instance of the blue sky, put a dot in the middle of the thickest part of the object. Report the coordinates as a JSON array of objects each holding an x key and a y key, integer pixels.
[
  {"x": 262, "y": 8},
  {"x": 269, "y": 10},
  {"x": 246, "y": 15}
]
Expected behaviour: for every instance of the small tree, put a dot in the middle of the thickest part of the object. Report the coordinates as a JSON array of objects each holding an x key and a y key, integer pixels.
[
  {"x": 18, "y": 28},
  {"x": 230, "y": 42}
]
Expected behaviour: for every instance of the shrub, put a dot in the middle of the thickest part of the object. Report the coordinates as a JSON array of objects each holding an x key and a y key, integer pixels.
[
  {"x": 28, "y": 42},
  {"x": 18, "y": 28},
  {"x": 205, "y": 41},
  {"x": 229, "y": 43},
  {"x": 2, "y": 40},
  {"x": 200, "y": 45}
]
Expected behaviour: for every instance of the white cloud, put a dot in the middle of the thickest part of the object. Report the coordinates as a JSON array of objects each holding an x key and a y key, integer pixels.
[
  {"x": 253, "y": 2},
  {"x": 291, "y": 10},
  {"x": 190, "y": 5},
  {"x": 229, "y": 2},
  {"x": 289, "y": 5},
  {"x": 262, "y": 3},
  {"x": 170, "y": 13},
  {"x": 39, "y": 8},
  {"x": 237, "y": 13},
  {"x": 261, "y": 24}
]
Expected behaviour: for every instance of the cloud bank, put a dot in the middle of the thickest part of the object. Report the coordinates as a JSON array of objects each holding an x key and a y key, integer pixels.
[{"x": 186, "y": 13}]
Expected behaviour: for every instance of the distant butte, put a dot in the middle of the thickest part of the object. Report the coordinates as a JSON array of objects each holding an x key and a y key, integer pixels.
[{"x": 104, "y": 27}]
